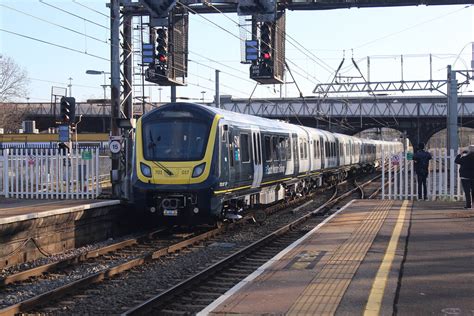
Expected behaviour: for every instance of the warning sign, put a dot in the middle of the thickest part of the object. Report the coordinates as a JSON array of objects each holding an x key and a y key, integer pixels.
[{"x": 395, "y": 160}]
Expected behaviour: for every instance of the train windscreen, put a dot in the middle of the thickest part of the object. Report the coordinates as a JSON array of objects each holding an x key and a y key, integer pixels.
[{"x": 174, "y": 139}]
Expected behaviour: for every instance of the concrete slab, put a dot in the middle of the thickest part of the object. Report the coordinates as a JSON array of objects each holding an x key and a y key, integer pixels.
[
  {"x": 426, "y": 251},
  {"x": 438, "y": 275},
  {"x": 15, "y": 210}
]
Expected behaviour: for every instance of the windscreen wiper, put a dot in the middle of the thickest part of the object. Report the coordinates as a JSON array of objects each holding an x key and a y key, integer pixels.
[
  {"x": 168, "y": 171},
  {"x": 152, "y": 144}
]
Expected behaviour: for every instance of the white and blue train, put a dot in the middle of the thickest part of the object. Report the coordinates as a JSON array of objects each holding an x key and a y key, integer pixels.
[{"x": 195, "y": 164}]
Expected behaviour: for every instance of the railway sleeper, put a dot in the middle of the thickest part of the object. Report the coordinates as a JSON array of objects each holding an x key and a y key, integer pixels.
[
  {"x": 209, "y": 294},
  {"x": 213, "y": 289},
  {"x": 170, "y": 312},
  {"x": 188, "y": 307},
  {"x": 196, "y": 299},
  {"x": 236, "y": 274},
  {"x": 220, "y": 284}
]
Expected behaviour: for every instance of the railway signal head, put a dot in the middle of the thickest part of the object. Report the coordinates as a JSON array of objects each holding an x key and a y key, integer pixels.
[
  {"x": 161, "y": 46},
  {"x": 266, "y": 62},
  {"x": 68, "y": 109}
]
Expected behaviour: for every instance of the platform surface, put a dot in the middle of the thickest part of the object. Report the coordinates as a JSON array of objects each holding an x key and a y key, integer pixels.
[
  {"x": 371, "y": 258},
  {"x": 14, "y": 210}
]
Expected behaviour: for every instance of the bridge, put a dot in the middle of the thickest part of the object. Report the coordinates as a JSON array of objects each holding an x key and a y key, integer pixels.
[{"x": 420, "y": 117}]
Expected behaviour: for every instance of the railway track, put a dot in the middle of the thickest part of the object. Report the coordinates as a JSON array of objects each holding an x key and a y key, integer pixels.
[
  {"x": 123, "y": 249},
  {"x": 137, "y": 251}
]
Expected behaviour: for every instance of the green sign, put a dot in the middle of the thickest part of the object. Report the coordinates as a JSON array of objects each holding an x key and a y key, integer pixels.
[
  {"x": 87, "y": 155},
  {"x": 409, "y": 155}
]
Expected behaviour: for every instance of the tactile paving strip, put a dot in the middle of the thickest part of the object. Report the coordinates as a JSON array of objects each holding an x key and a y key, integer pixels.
[{"x": 326, "y": 290}]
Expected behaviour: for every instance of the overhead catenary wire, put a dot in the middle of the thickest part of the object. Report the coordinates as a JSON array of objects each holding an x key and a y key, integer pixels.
[
  {"x": 227, "y": 31},
  {"x": 267, "y": 43},
  {"x": 89, "y": 8},
  {"x": 55, "y": 24},
  {"x": 411, "y": 27},
  {"x": 73, "y": 14},
  {"x": 54, "y": 44}
]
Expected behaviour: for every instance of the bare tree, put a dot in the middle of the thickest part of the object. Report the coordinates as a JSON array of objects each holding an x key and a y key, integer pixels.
[
  {"x": 11, "y": 116},
  {"x": 13, "y": 80}
]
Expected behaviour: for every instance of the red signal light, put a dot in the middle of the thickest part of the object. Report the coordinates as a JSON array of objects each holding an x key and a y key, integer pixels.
[
  {"x": 266, "y": 56},
  {"x": 162, "y": 58}
]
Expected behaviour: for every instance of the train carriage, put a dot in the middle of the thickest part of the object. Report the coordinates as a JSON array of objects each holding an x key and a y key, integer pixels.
[{"x": 194, "y": 163}]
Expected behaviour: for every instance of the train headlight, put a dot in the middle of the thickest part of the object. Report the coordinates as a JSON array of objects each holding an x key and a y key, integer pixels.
[
  {"x": 198, "y": 170},
  {"x": 146, "y": 170}
]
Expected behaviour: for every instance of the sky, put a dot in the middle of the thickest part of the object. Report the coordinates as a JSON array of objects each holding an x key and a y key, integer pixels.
[{"x": 81, "y": 28}]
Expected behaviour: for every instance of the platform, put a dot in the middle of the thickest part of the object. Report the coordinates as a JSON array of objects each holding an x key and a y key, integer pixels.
[
  {"x": 29, "y": 229},
  {"x": 371, "y": 258},
  {"x": 15, "y": 210}
]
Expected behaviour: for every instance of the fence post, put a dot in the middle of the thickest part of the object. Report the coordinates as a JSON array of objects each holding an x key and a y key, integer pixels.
[
  {"x": 390, "y": 177},
  {"x": 97, "y": 175},
  {"x": 5, "y": 172},
  {"x": 383, "y": 175}
]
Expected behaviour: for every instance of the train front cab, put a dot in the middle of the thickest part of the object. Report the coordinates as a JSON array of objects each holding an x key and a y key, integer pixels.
[{"x": 174, "y": 163}]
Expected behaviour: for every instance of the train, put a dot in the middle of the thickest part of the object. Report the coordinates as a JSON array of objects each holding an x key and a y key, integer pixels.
[{"x": 194, "y": 163}]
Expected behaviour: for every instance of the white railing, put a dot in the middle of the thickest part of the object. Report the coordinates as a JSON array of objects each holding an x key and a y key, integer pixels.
[
  {"x": 50, "y": 174},
  {"x": 443, "y": 182}
]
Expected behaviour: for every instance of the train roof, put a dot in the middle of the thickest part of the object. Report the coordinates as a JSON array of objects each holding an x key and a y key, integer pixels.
[{"x": 270, "y": 124}]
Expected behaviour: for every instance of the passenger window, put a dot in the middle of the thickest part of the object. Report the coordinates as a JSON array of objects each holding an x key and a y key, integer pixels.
[
  {"x": 288, "y": 148},
  {"x": 301, "y": 149},
  {"x": 244, "y": 147},
  {"x": 268, "y": 148},
  {"x": 282, "y": 148},
  {"x": 305, "y": 150},
  {"x": 231, "y": 149},
  {"x": 224, "y": 130},
  {"x": 275, "y": 153}
]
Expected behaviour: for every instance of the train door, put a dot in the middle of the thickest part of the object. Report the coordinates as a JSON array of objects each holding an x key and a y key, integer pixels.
[
  {"x": 231, "y": 154},
  {"x": 256, "y": 157},
  {"x": 322, "y": 153},
  {"x": 290, "y": 165},
  {"x": 294, "y": 144},
  {"x": 224, "y": 155}
]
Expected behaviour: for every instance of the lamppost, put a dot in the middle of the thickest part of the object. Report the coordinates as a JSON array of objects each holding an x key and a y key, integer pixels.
[
  {"x": 76, "y": 125},
  {"x": 100, "y": 72},
  {"x": 70, "y": 86},
  {"x": 203, "y": 93}
]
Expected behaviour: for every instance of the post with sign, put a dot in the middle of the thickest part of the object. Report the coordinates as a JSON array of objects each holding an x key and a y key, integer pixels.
[{"x": 115, "y": 144}]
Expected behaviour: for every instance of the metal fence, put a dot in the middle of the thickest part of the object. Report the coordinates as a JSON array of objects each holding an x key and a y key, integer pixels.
[
  {"x": 443, "y": 182},
  {"x": 50, "y": 173}
]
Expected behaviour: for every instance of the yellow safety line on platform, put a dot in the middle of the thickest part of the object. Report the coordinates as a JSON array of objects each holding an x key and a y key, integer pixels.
[{"x": 374, "y": 303}]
